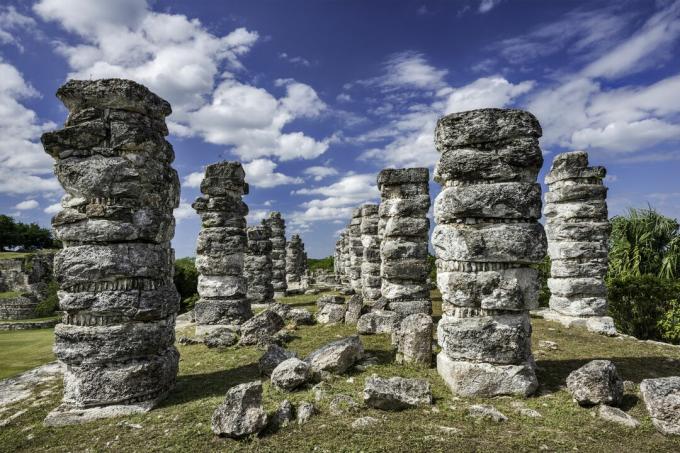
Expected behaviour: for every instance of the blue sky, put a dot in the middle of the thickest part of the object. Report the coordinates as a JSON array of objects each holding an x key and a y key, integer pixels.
[{"x": 315, "y": 97}]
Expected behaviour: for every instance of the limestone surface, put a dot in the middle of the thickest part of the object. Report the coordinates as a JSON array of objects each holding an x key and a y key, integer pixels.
[
  {"x": 241, "y": 414},
  {"x": 338, "y": 356},
  {"x": 296, "y": 260},
  {"x": 596, "y": 382},
  {"x": 578, "y": 230},
  {"x": 277, "y": 225},
  {"x": 403, "y": 228},
  {"x": 413, "y": 339},
  {"x": 356, "y": 251},
  {"x": 370, "y": 262},
  {"x": 662, "y": 399},
  {"x": 115, "y": 270},
  {"x": 291, "y": 373},
  {"x": 486, "y": 237},
  {"x": 221, "y": 247},
  {"x": 396, "y": 393},
  {"x": 258, "y": 265}
]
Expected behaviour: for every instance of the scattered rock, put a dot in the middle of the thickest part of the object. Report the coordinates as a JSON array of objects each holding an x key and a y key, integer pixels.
[
  {"x": 616, "y": 415},
  {"x": 300, "y": 317},
  {"x": 396, "y": 393},
  {"x": 331, "y": 314},
  {"x": 448, "y": 429},
  {"x": 338, "y": 356},
  {"x": 629, "y": 387},
  {"x": 486, "y": 412},
  {"x": 282, "y": 417},
  {"x": 354, "y": 306},
  {"x": 190, "y": 340},
  {"x": 241, "y": 414},
  {"x": 220, "y": 338},
  {"x": 261, "y": 328},
  {"x": 662, "y": 400},
  {"x": 341, "y": 404},
  {"x": 413, "y": 339},
  {"x": 596, "y": 382},
  {"x": 274, "y": 355},
  {"x": 378, "y": 321},
  {"x": 312, "y": 291},
  {"x": 525, "y": 411},
  {"x": 329, "y": 299},
  {"x": 365, "y": 422},
  {"x": 291, "y": 373},
  {"x": 305, "y": 411},
  {"x": 547, "y": 345}
]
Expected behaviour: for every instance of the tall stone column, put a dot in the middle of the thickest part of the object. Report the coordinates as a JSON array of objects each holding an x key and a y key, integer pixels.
[
  {"x": 220, "y": 249},
  {"x": 578, "y": 230},
  {"x": 115, "y": 270},
  {"x": 337, "y": 260},
  {"x": 404, "y": 229},
  {"x": 356, "y": 251},
  {"x": 487, "y": 236},
  {"x": 370, "y": 264},
  {"x": 258, "y": 265},
  {"x": 345, "y": 259},
  {"x": 296, "y": 263},
  {"x": 277, "y": 225}
]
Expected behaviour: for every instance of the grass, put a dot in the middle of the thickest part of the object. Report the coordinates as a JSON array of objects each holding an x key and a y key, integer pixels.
[
  {"x": 182, "y": 422},
  {"x": 19, "y": 321},
  {"x": 21, "y": 350},
  {"x": 9, "y": 294},
  {"x": 13, "y": 255}
]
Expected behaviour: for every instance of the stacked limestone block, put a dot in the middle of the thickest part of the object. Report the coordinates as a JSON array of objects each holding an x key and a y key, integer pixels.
[
  {"x": 277, "y": 225},
  {"x": 487, "y": 236},
  {"x": 296, "y": 260},
  {"x": 258, "y": 265},
  {"x": 356, "y": 251},
  {"x": 404, "y": 227},
  {"x": 370, "y": 264},
  {"x": 221, "y": 248},
  {"x": 578, "y": 230},
  {"x": 337, "y": 265},
  {"x": 345, "y": 258},
  {"x": 115, "y": 270}
]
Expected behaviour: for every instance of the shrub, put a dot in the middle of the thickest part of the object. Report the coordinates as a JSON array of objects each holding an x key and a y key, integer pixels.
[
  {"x": 188, "y": 303},
  {"x": 642, "y": 306},
  {"x": 543, "y": 269},
  {"x": 186, "y": 280},
  {"x": 50, "y": 304},
  {"x": 322, "y": 263},
  {"x": 669, "y": 324}
]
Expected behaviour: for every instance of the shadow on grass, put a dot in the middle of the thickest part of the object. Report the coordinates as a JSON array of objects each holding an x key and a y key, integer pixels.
[
  {"x": 552, "y": 374},
  {"x": 198, "y": 386}
]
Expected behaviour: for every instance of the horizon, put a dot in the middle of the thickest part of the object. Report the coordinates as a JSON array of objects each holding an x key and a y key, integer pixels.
[{"x": 316, "y": 99}]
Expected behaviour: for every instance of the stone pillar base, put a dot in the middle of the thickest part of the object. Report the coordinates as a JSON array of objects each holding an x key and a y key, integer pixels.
[
  {"x": 485, "y": 379},
  {"x": 411, "y": 307},
  {"x": 603, "y": 325},
  {"x": 66, "y": 414}
]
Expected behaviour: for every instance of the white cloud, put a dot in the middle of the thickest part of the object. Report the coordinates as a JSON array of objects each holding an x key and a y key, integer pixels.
[
  {"x": 320, "y": 172},
  {"x": 487, "y": 5},
  {"x": 260, "y": 173},
  {"x": 10, "y": 21},
  {"x": 184, "y": 211},
  {"x": 295, "y": 60},
  {"x": 26, "y": 205},
  {"x": 193, "y": 179},
  {"x": 180, "y": 59},
  {"x": 53, "y": 208},
  {"x": 24, "y": 165},
  {"x": 624, "y": 136},
  {"x": 408, "y": 69},
  {"x": 344, "y": 97},
  {"x": 255, "y": 216}
]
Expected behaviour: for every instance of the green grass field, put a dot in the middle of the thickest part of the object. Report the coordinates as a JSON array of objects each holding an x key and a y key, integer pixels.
[
  {"x": 182, "y": 422},
  {"x": 21, "y": 350}
]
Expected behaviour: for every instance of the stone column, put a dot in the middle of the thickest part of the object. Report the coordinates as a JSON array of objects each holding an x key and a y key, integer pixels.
[
  {"x": 278, "y": 238},
  {"x": 295, "y": 261},
  {"x": 220, "y": 250},
  {"x": 404, "y": 229},
  {"x": 337, "y": 259},
  {"x": 487, "y": 236},
  {"x": 345, "y": 259},
  {"x": 115, "y": 270},
  {"x": 370, "y": 264},
  {"x": 258, "y": 265},
  {"x": 578, "y": 231},
  {"x": 356, "y": 251}
]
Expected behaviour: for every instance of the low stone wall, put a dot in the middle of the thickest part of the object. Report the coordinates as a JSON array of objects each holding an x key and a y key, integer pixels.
[
  {"x": 29, "y": 325},
  {"x": 28, "y": 276}
]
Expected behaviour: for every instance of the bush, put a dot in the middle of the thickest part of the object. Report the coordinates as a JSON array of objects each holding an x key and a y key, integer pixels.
[
  {"x": 50, "y": 304},
  {"x": 432, "y": 273},
  {"x": 645, "y": 306},
  {"x": 543, "y": 269},
  {"x": 186, "y": 281},
  {"x": 323, "y": 263}
]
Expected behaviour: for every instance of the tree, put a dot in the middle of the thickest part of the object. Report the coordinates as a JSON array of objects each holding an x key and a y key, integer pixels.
[
  {"x": 26, "y": 236},
  {"x": 644, "y": 242}
]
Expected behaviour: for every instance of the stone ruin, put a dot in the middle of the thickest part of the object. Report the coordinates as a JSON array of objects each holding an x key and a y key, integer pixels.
[
  {"x": 404, "y": 228},
  {"x": 486, "y": 238},
  {"x": 356, "y": 251},
  {"x": 278, "y": 239},
  {"x": 24, "y": 284},
  {"x": 220, "y": 250},
  {"x": 296, "y": 261},
  {"x": 578, "y": 230},
  {"x": 345, "y": 279},
  {"x": 258, "y": 265},
  {"x": 370, "y": 263},
  {"x": 115, "y": 270},
  {"x": 338, "y": 258}
]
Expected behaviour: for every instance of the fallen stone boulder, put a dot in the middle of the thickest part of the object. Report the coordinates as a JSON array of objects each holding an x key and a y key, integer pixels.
[
  {"x": 341, "y": 404},
  {"x": 354, "y": 306},
  {"x": 220, "y": 338},
  {"x": 365, "y": 422},
  {"x": 300, "y": 317},
  {"x": 396, "y": 393},
  {"x": 272, "y": 357},
  {"x": 305, "y": 411},
  {"x": 291, "y": 373},
  {"x": 596, "y": 382},
  {"x": 329, "y": 299},
  {"x": 261, "y": 328},
  {"x": 378, "y": 321},
  {"x": 336, "y": 357},
  {"x": 486, "y": 412},
  {"x": 241, "y": 414},
  {"x": 282, "y": 417},
  {"x": 662, "y": 400},
  {"x": 331, "y": 314},
  {"x": 413, "y": 339},
  {"x": 616, "y": 415}
]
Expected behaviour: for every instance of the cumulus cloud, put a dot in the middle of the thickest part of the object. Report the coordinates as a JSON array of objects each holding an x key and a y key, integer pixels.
[
  {"x": 10, "y": 21},
  {"x": 24, "y": 165},
  {"x": 320, "y": 172},
  {"x": 255, "y": 216},
  {"x": 53, "y": 208},
  {"x": 487, "y": 5},
  {"x": 181, "y": 60},
  {"x": 26, "y": 205},
  {"x": 408, "y": 69},
  {"x": 260, "y": 173},
  {"x": 184, "y": 211},
  {"x": 193, "y": 179}
]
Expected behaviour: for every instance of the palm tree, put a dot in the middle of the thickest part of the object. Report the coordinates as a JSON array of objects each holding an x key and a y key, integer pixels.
[{"x": 644, "y": 242}]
